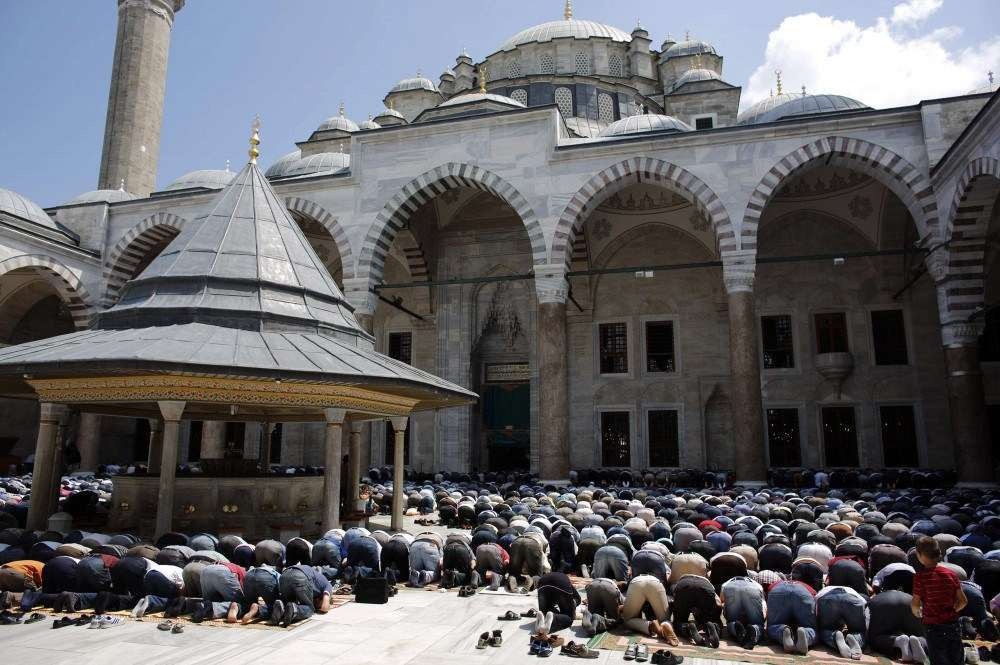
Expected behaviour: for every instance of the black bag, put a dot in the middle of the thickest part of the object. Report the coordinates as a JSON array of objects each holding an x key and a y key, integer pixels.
[{"x": 374, "y": 590}]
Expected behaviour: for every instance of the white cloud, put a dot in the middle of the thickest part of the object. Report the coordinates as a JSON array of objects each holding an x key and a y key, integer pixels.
[
  {"x": 915, "y": 11},
  {"x": 881, "y": 65}
]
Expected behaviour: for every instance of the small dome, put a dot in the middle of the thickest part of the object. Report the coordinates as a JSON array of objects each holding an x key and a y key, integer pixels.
[
  {"x": 339, "y": 121},
  {"x": 689, "y": 47},
  {"x": 281, "y": 165},
  {"x": 572, "y": 27},
  {"x": 389, "y": 113},
  {"x": 205, "y": 179},
  {"x": 415, "y": 83},
  {"x": 754, "y": 111},
  {"x": 449, "y": 73},
  {"x": 585, "y": 127},
  {"x": 808, "y": 105},
  {"x": 696, "y": 75},
  {"x": 13, "y": 203},
  {"x": 992, "y": 87},
  {"x": 470, "y": 97},
  {"x": 102, "y": 196},
  {"x": 369, "y": 124},
  {"x": 641, "y": 124},
  {"x": 320, "y": 163}
]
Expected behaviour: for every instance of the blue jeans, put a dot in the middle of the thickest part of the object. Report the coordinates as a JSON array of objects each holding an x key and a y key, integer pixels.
[
  {"x": 296, "y": 588},
  {"x": 220, "y": 587},
  {"x": 743, "y": 601},
  {"x": 261, "y": 583},
  {"x": 836, "y": 608},
  {"x": 944, "y": 644},
  {"x": 425, "y": 555},
  {"x": 610, "y": 562},
  {"x": 789, "y": 604}
]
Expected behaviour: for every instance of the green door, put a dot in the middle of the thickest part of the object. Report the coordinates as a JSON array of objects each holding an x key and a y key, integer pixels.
[{"x": 506, "y": 422}]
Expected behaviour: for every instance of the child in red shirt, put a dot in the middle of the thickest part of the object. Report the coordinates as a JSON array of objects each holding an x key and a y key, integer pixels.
[{"x": 937, "y": 600}]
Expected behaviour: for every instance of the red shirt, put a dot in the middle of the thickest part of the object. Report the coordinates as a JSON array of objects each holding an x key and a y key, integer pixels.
[
  {"x": 936, "y": 588},
  {"x": 240, "y": 571}
]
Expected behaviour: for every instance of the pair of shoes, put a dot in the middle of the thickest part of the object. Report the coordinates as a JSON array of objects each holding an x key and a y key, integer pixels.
[
  {"x": 690, "y": 631},
  {"x": 63, "y": 622},
  {"x": 664, "y": 657},
  {"x": 467, "y": 591},
  {"x": 574, "y": 650},
  {"x": 289, "y": 616},
  {"x": 509, "y": 615},
  {"x": 631, "y": 651},
  {"x": 712, "y": 634},
  {"x": 277, "y": 611},
  {"x": 165, "y": 625},
  {"x": 105, "y": 621}
]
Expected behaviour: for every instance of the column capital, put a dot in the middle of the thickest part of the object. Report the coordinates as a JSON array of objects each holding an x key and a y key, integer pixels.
[
  {"x": 399, "y": 423},
  {"x": 155, "y": 424},
  {"x": 958, "y": 334},
  {"x": 358, "y": 292},
  {"x": 357, "y": 426},
  {"x": 52, "y": 412},
  {"x": 550, "y": 284},
  {"x": 172, "y": 411},
  {"x": 162, "y": 8},
  {"x": 739, "y": 270},
  {"x": 335, "y": 416}
]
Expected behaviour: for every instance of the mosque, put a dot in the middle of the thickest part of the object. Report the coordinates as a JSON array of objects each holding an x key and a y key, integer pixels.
[{"x": 629, "y": 263}]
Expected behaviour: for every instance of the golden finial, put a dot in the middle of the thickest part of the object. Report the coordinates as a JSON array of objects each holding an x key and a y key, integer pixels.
[
  {"x": 777, "y": 76},
  {"x": 341, "y": 110},
  {"x": 121, "y": 187},
  {"x": 481, "y": 73},
  {"x": 568, "y": 11},
  {"x": 803, "y": 91},
  {"x": 687, "y": 35},
  {"x": 254, "y": 140}
]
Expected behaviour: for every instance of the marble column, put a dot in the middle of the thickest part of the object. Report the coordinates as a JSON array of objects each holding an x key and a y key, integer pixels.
[
  {"x": 967, "y": 402},
  {"x": 88, "y": 441},
  {"x": 59, "y": 459},
  {"x": 42, "y": 489},
  {"x": 358, "y": 292},
  {"x": 172, "y": 412},
  {"x": 398, "y": 495},
  {"x": 354, "y": 460},
  {"x": 552, "y": 290},
  {"x": 744, "y": 367},
  {"x": 332, "y": 467},
  {"x": 155, "y": 445},
  {"x": 264, "y": 451},
  {"x": 213, "y": 439}
]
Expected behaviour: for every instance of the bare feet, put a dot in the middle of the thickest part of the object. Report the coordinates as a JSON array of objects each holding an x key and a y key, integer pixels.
[
  {"x": 250, "y": 615},
  {"x": 668, "y": 635},
  {"x": 233, "y": 613}
]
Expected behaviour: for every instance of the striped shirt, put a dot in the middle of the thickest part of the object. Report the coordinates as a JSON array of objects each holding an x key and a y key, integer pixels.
[{"x": 936, "y": 587}]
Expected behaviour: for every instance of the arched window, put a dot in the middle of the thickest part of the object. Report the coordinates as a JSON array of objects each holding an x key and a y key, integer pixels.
[
  {"x": 564, "y": 100},
  {"x": 583, "y": 63},
  {"x": 605, "y": 108},
  {"x": 615, "y": 65},
  {"x": 520, "y": 95},
  {"x": 546, "y": 65},
  {"x": 513, "y": 69}
]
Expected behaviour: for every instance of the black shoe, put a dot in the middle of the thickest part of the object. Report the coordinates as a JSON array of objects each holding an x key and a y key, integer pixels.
[
  {"x": 277, "y": 611},
  {"x": 968, "y": 628},
  {"x": 753, "y": 637},
  {"x": 988, "y": 630},
  {"x": 737, "y": 632},
  {"x": 695, "y": 635},
  {"x": 200, "y": 613},
  {"x": 712, "y": 634},
  {"x": 995, "y": 653},
  {"x": 984, "y": 654},
  {"x": 288, "y": 617}
]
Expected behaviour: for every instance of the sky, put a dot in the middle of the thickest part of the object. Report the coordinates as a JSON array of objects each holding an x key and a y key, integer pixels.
[{"x": 293, "y": 62}]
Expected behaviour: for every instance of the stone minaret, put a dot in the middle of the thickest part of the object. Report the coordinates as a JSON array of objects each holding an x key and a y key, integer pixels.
[{"x": 135, "y": 103}]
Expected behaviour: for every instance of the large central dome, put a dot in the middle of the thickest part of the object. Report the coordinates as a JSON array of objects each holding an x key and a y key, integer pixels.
[{"x": 565, "y": 28}]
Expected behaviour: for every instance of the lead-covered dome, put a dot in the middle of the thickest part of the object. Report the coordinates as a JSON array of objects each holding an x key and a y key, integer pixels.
[
  {"x": 641, "y": 124},
  {"x": 754, "y": 111},
  {"x": 13, "y": 203},
  {"x": 280, "y": 166},
  {"x": 695, "y": 76},
  {"x": 205, "y": 179},
  {"x": 690, "y": 47},
  {"x": 322, "y": 163},
  {"x": 369, "y": 124},
  {"x": 102, "y": 196},
  {"x": 572, "y": 28},
  {"x": 801, "y": 105},
  {"x": 339, "y": 121},
  {"x": 415, "y": 83},
  {"x": 388, "y": 115},
  {"x": 470, "y": 97}
]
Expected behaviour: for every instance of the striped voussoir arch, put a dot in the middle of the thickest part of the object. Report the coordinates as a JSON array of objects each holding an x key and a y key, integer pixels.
[
  {"x": 396, "y": 213},
  {"x": 416, "y": 261},
  {"x": 133, "y": 248},
  {"x": 69, "y": 287},
  {"x": 968, "y": 224},
  {"x": 316, "y": 212},
  {"x": 904, "y": 179},
  {"x": 630, "y": 172}
]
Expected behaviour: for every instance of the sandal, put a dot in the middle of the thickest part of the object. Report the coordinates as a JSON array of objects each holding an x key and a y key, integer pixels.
[
  {"x": 177, "y": 629},
  {"x": 165, "y": 625},
  {"x": 33, "y": 617},
  {"x": 530, "y": 614},
  {"x": 575, "y": 650},
  {"x": 509, "y": 615},
  {"x": 484, "y": 641},
  {"x": 497, "y": 638}
]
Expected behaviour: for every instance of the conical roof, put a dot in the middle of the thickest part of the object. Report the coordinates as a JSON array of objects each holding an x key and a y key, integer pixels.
[{"x": 243, "y": 262}]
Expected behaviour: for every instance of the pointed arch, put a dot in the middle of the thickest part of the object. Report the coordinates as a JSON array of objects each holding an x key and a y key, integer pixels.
[
  {"x": 968, "y": 225},
  {"x": 397, "y": 212},
  {"x": 904, "y": 179},
  {"x": 65, "y": 282},
  {"x": 133, "y": 249},
  {"x": 629, "y": 172},
  {"x": 315, "y": 211}
]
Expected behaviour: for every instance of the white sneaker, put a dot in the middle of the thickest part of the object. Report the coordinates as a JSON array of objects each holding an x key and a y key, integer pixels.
[{"x": 107, "y": 621}]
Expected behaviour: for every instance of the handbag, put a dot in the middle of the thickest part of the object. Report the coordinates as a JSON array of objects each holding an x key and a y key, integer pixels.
[{"x": 373, "y": 590}]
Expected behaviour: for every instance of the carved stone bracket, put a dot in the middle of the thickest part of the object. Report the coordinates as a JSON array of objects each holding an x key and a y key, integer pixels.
[
  {"x": 739, "y": 270},
  {"x": 550, "y": 284}
]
